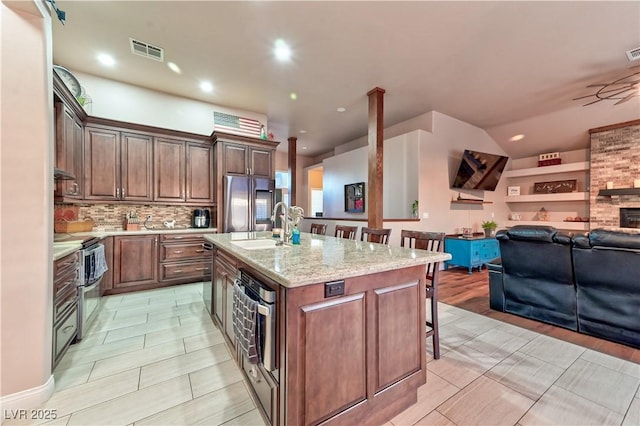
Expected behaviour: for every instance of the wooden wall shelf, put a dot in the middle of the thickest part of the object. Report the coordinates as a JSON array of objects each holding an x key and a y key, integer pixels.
[
  {"x": 471, "y": 202},
  {"x": 618, "y": 192}
]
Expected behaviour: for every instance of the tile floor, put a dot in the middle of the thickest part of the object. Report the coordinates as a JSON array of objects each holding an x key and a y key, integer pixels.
[{"x": 155, "y": 358}]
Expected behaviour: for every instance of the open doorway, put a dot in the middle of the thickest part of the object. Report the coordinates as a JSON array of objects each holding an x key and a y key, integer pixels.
[{"x": 314, "y": 175}]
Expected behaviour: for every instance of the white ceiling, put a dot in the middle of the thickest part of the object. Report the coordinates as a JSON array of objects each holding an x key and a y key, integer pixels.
[{"x": 507, "y": 67}]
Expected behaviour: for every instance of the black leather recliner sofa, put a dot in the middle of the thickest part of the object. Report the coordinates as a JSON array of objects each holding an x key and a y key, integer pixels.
[
  {"x": 589, "y": 283},
  {"x": 537, "y": 275},
  {"x": 607, "y": 272}
]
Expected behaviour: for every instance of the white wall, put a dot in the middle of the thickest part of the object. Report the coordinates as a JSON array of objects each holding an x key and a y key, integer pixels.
[
  {"x": 26, "y": 181},
  {"x": 125, "y": 102}
]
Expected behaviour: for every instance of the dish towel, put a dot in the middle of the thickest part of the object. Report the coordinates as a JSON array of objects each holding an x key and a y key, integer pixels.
[
  {"x": 245, "y": 323},
  {"x": 98, "y": 264}
]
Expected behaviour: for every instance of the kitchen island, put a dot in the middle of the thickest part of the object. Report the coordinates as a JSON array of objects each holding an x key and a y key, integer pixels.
[{"x": 349, "y": 325}]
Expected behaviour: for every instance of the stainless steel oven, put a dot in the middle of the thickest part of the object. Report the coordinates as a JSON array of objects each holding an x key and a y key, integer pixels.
[
  {"x": 93, "y": 266},
  {"x": 266, "y": 321}
]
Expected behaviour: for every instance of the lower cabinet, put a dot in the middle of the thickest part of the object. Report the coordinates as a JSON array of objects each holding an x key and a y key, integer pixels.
[
  {"x": 135, "y": 261},
  {"x": 471, "y": 252},
  {"x": 183, "y": 258},
  {"x": 224, "y": 275},
  {"x": 66, "y": 275}
]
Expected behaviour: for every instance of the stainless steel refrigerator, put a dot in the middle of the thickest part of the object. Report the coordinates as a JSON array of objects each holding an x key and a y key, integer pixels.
[{"x": 248, "y": 203}]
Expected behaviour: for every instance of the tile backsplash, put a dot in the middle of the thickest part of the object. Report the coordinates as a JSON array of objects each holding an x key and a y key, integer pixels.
[{"x": 111, "y": 217}]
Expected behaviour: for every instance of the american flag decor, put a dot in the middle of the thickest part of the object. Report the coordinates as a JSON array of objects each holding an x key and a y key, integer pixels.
[{"x": 236, "y": 125}]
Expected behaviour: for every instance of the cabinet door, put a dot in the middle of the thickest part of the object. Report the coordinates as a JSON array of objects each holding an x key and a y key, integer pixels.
[
  {"x": 135, "y": 260},
  {"x": 219, "y": 285},
  {"x": 69, "y": 139},
  {"x": 137, "y": 179},
  {"x": 169, "y": 164},
  {"x": 235, "y": 159},
  {"x": 260, "y": 163},
  {"x": 228, "y": 309},
  {"x": 199, "y": 173},
  {"x": 101, "y": 164}
]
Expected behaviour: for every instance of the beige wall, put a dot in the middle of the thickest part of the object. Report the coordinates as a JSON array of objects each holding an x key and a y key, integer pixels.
[{"x": 26, "y": 201}]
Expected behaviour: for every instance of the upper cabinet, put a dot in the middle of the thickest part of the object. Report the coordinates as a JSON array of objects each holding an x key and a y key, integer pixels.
[
  {"x": 241, "y": 155},
  {"x": 199, "y": 173},
  {"x": 118, "y": 165},
  {"x": 169, "y": 163},
  {"x": 69, "y": 149}
]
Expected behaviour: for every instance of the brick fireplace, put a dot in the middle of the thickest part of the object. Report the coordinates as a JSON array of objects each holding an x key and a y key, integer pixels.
[{"x": 615, "y": 157}]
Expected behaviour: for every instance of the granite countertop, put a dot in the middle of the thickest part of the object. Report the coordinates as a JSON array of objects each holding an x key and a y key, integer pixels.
[
  {"x": 321, "y": 258},
  {"x": 64, "y": 248}
]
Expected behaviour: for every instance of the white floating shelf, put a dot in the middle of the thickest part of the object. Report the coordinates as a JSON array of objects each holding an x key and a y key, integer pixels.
[
  {"x": 532, "y": 198},
  {"x": 572, "y": 226},
  {"x": 547, "y": 170}
]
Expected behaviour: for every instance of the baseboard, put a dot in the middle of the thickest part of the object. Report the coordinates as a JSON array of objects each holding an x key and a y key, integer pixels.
[{"x": 26, "y": 399}]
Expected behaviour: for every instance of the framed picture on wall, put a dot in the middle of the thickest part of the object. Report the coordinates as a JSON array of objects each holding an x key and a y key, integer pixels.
[{"x": 354, "y": 198}]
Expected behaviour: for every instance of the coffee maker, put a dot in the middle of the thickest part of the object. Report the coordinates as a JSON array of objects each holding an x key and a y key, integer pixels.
[{"x": 201, "y": 218}]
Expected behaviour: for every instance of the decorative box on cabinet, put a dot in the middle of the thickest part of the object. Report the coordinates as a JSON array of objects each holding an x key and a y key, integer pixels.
[{"x": 471, "y": 252}]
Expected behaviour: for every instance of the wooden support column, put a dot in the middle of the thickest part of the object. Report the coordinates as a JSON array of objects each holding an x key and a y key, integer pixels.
[
  {"x": 375, "y": 138},
  {"x": 293, "y": 141}
]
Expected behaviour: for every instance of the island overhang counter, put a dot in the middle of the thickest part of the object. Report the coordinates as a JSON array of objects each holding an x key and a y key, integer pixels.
[{"x": 350, "y": 326}]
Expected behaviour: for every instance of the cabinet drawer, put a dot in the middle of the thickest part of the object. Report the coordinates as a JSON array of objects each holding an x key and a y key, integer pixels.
[
  {"x": 63, "y": 302},
  {"x": 63, "y": 283},
  {"x": 184, "y": 270},
  {"x": 63, "y": 334},
  {"x": 182, "y": 251},
  {"x": 67, "y": 263},
  {"x": 182, "y": 237}
]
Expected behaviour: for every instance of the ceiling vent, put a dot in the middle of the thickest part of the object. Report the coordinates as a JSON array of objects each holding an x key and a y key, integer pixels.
[
  {"x": 145, "y": 49},
  {"x": 633, "y": 54}
]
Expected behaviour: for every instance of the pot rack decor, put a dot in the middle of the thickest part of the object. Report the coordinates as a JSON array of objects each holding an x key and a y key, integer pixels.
[{"x": 622, "y": 89}]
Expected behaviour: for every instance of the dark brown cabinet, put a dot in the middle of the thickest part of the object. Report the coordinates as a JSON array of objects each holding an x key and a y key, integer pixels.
[
  {"x": 107, "y": 279},
  {"x": 199, "y": 173},
  {"x": 135, "y": 261},
  {"x": 118, "y": 165},
  {"x": 66, "y": 276},
  {"x": 183, "y": 258},
  {"x": 169, "y": 165},
  {"x": 224, "y": 275},
  {"x": 247, "y": 160},
  {"x": 69, "y": 151}
]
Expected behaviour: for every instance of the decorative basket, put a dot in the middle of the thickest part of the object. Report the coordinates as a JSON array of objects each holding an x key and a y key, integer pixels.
[{"x": 68, "y": 226}]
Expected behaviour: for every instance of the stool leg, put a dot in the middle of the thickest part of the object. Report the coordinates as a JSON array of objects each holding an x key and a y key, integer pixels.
[{"x": 434, "y": 322}]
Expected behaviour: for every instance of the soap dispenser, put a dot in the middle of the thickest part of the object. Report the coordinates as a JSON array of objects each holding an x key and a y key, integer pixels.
[{"x": 295, "y": 235}]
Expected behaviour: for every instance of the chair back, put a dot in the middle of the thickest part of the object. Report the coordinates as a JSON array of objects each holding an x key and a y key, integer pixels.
[
  {"x": 347, "y": 232},
  {"x": 319, "y": 228},
  {"x": 375, "y": 235},
  {"x": 431, "y": 241}
]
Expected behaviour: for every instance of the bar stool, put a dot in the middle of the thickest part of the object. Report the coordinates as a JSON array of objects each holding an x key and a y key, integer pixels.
[
  {"x": 347, "y": 232},
  {"x": 319, "y": 228},
  {"x": 432, "y": 241},
  {"x": 375, "y": 235}
]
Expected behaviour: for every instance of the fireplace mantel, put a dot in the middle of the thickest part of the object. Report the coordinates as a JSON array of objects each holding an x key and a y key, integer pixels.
[{"x": 619, "y": 191}]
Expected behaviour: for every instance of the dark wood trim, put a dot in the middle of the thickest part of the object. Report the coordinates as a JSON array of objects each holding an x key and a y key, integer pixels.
[
  {"x": 615, "y": 126},
  {"x": 229, "y": 137},
  {"x": 293, "y": 141},
  {"x": 123, "y": 126},
  {"x": 375, "y": 157}
]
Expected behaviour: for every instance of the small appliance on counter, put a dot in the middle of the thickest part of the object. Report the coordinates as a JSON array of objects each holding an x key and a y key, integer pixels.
[{"x": 201, "y": 218}]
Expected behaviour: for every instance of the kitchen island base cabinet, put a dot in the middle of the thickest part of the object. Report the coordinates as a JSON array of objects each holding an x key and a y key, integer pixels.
[{"x": 363, "y": 355}]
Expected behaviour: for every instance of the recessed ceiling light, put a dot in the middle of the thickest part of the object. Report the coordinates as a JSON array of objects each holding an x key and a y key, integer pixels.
[
  {"x": 293, "y": 96},
  {"x": 516, "y": 138},
  {"x": 303, "y": 131},
  {"x": 304, "y": 147},
  {"x": 282, "y": 50},
  {"x": 206, "y": 86},
  {"x": 341, "y": 109},
  {"x": 173, "y": 67},
  {"x": 106, "y": 60}
]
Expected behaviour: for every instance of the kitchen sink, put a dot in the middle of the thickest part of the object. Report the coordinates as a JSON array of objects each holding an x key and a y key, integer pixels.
[{"x": 257, "y": 244}]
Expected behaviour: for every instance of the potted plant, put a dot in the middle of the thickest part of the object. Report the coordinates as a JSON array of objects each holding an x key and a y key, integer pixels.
[
  {"x": 489, "y": 227},
  {"x": 414, "y": 209}
]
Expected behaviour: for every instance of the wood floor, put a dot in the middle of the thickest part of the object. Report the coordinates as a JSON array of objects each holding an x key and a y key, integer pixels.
[{"x": 471, "y": 292}]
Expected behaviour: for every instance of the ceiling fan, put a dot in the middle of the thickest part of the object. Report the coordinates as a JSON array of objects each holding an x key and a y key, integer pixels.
[{"x": 622, "y": 89}]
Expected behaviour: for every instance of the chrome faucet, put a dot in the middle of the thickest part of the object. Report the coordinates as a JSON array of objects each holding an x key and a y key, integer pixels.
[{"x": 284, "y": 235}]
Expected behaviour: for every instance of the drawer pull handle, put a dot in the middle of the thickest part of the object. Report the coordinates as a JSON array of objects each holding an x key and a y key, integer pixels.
[
  {"x": 67, "y": 329},
  {"x": 178, "y": 251},
  {"x": 177, "y": 270},
  {"x": 177, "y": 238},
  {"x": 200, "y": 251},
  {"x": 202, "y": 269}
]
